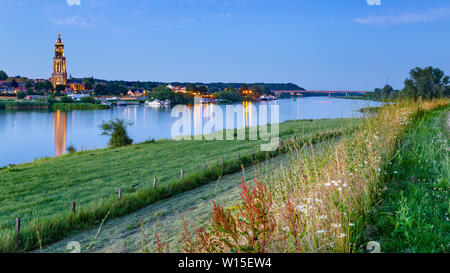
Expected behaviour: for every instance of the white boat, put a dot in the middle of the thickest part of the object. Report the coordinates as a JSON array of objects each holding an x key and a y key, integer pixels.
[
  {"x": 121, "y": 103},
  {"x": 157, "y": 103}
]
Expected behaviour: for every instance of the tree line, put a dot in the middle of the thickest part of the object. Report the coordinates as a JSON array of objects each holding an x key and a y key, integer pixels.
[{"x": 425, "y": 83}]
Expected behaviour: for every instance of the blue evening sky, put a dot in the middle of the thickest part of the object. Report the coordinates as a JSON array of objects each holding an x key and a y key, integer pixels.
[{"x": 317, "y": 44}]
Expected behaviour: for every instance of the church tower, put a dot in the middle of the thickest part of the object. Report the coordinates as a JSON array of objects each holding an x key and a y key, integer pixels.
[{"x": 59, "y": 76}]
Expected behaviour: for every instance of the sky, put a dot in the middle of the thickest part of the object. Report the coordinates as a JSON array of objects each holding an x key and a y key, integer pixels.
[{"x": 318, "y": 44}]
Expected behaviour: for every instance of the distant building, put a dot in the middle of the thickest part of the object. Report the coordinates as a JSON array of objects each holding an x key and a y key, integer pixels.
[
  {"x": 136, "y": 93},
  {"x": 59, "y": 76},
  {"x": 177, "y": 89},
  {"x": 76, "y": 84}
]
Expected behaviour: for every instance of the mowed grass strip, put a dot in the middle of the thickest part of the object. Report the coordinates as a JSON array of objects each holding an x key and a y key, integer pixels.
[
  {"x": 414, "y": 214},
  {"x": 40, "y": 193}
]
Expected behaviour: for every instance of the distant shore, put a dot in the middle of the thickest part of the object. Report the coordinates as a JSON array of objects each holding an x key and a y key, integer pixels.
[{"x": 29, "y": 105}]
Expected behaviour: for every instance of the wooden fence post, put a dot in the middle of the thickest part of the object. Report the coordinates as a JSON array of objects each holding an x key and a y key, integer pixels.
[
  {"x": 204, "y": 166},
  {"x": 181, "y": 174},
  {"x": 155, "y": 180},
  {"x": 17, "y": 225},
  {"x": 222, "y": 162},
  {"x": 238, "y": 157},
  {"x": 73, "y": 207},
  {"x": 120, "y": 193}
]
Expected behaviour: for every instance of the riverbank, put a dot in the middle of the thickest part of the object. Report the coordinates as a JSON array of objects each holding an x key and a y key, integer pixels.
[
  {"x": 322, "y": 203},
  {"x": 41, "y": 193},
  {"x": 30, "y": 105}
]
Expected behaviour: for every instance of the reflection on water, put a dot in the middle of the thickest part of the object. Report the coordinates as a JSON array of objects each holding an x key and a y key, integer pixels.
[
  {"x": 60, "y": 130},
  {"x": 247, "y": 111},
  {"x": 28, "y": 135}
]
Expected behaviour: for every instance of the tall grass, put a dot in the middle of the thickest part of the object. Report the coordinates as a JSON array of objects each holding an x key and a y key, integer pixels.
[{"x": 318, "y": 203}]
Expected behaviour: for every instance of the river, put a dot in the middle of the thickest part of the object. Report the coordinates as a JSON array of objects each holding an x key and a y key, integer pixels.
[{"x": 29, "y": 135}]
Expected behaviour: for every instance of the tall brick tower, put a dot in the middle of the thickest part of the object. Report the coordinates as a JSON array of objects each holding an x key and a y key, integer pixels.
[{"x": 59, "y": 76}]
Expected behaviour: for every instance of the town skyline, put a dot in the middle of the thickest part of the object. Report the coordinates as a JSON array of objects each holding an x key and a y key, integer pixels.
[{"x": 176, "y": 50}]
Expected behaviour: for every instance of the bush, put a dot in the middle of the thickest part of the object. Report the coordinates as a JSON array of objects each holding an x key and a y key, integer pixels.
[
  {"x": 71, "y": 149},
  {"x": 21, "y": 95},
  {"x": 51, "y": 100},
  {"x": 66, "y": 99},
  {"x": 117, "y": 130},
  {"x": 88, "y": 100}
]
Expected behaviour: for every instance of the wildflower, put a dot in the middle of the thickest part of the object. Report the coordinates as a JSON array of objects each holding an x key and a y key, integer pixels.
[
  {"x": 321, "y": 231},
  {"x": 336, "y": 225},
  {"x": 323, "y": 217},
  {"x": 286, "y": 228},
  {"x": 342, "y": 235},
  {"x": 351, "y": 224},
  {"x": 303, "y": 209}
]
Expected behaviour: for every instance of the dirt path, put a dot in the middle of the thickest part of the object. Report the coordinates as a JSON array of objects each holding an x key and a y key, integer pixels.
[{"x": 125, "y": 234}]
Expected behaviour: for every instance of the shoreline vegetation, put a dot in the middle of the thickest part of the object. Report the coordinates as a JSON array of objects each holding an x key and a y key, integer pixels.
[
  {"x": 41, "y": 192},
  {"x": 323, "y": 203},
  {"x": 29, "y": 105}
]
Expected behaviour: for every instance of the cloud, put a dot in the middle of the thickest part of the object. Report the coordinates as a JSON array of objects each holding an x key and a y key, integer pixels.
[
  {"x": 70, "y": 21},
  {"x": 74, "y": 2},
  {"x": 407, "y": 18}
]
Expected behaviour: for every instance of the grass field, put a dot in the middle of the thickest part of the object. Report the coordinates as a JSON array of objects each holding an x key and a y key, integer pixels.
[
  {"x": 414, "y": 215},
  {"x": 41, "y": 192},
  {"x": 124, "y": 234}
]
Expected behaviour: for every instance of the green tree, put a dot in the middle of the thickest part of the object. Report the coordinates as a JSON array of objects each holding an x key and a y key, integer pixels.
[
  {"x": 30, "y": 91},
  {"x": 21, "y": 95},
  {"x": 231, "y": 89},
  {"x": 117, "y": 130},
  {"x": 385, "y": 92},
  {"x": 162, "y": 92},
  {"x": 244, "y": 87},
  {"x": 59, "y": 88},
  {"x": 28, "y": 85},
  {"x": 191, "y": 87},
  {"x": 202, "y": 89},
  {"x": 426, "y": 83},
  {"x": 3, "y": 75},
  {"x": 39, "y": 86},
  {"x": 14, "y": 83},
  {"x": 89, "y": 83},
  {"x": 100, "y": 90},
  {"x": 47, "y": 86}
]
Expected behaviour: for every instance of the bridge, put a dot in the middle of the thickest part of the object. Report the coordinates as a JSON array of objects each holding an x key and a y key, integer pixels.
[{"x": 329, "y": 92}]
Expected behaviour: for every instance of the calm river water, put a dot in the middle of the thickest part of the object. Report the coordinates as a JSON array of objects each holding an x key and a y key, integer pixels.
[{"x": 29, "y": 135}]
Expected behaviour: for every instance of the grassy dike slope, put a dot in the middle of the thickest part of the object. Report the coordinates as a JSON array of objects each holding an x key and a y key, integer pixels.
[
  {"x": 414, "y": 215},
  {"x": 41, "y": 192}
]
